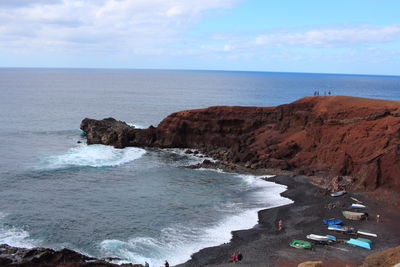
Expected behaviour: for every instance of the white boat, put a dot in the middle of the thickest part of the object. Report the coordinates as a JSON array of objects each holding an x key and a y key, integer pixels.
[
  {"x": 362, "y": 232},
  {"x": 341, "y": 229},
  {"x": 320, "y": 238},
  {"x": 354, "y": 215},
  {"x": 359, "y": 206},
  {"x": 338, "y": 194},
  {"x": 356, "y": 200}
]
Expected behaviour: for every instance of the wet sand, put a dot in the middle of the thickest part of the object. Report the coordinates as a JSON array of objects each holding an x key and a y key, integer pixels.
[{"x": 264, "y": 245}]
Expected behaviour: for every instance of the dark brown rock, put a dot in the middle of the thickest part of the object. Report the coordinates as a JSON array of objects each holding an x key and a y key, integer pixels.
[
  {"x": 45, "y": 257},
  {"x": 330, "y": 136}
]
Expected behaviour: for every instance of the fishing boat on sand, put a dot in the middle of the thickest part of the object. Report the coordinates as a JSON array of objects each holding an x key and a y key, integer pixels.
[
  {"x": 359, "y": 206},
  {"x": 356, "y": 216},
  {"x": 318, "y": 238},
  {"x": 359, "y": 243},
  {"x": 341, "y": 229},
  {"x": 356, "y": 200},
  {"x": 338, "y": 194},
  {"x": 300, "y": 244},
  {"x": 332, "y": 221},
  {"x": 362, "y": 232}
]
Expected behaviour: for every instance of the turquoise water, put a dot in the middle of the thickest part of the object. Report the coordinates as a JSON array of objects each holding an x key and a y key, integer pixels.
[{"x": 134, "y": 204}]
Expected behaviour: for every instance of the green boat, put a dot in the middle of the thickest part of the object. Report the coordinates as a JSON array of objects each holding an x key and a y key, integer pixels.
[{"x": 300, "y": 244}]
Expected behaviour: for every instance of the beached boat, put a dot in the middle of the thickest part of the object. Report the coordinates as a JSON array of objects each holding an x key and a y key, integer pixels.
[
  {"x": 332, "y": 221},
  {"x": 366, "y": 240},
  {"x": 356, "y": 200},
  {"x": 319, "y": 238},
  {"x": 359, "y": 206},
  {"x": 359, "y": 243},
  {"x": 338, "y": 194},
  {"x": 341, "y": 229},
  {"x": 300, "y": 244},
  {"x": 354, "y": 215},
  {"x": 331, "y": 238},
  {"x": 362, "y": 232}
]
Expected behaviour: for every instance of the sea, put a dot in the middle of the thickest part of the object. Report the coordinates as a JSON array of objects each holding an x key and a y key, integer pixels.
[{"x": 134, "y": 204}]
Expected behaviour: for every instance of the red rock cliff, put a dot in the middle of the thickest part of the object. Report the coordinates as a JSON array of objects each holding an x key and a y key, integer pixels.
[{"x": 331, "y": 135}]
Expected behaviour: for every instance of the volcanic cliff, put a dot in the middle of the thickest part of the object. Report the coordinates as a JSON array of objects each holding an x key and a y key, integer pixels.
[{"x": 338, "y": 137}]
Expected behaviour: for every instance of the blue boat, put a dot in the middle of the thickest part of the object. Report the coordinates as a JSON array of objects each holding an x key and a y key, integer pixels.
[
  {"x": 331, "y": 237},
  {"x": 332, "y": 221},
  {"x": 359, "y": 243}
]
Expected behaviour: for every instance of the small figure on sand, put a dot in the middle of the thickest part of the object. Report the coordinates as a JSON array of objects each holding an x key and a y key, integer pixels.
[
  {"x": 329, "y": 92},
  {"x": 234, "y": 258},
  {"x": 280, "y": 225},
  {"x": 166, "y": 264},
  {"x": 378, "y": 218},
  {"x": 239, "y": 256},
  {"x": 146, "y": 264}
]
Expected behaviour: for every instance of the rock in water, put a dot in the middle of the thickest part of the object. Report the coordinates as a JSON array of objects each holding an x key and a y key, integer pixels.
[{"x": 45, "y": 257}]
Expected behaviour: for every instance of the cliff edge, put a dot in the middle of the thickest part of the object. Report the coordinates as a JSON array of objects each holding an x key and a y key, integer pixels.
[{"x": 339, "y": 137}]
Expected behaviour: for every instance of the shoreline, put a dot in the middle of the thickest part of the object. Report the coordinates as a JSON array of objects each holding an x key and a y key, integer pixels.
[{"x": 264, "y": 245}]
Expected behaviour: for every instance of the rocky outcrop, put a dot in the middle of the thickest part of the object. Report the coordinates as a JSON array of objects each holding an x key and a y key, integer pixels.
[
  {"x": 45, "y": 257},
  {"x": 386, "y": 258},
  {"x": 343, "y": 138}
]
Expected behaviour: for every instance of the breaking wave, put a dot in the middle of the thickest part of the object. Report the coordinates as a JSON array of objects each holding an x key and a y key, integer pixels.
[
  {"x": 178, "y": 242},
  {"x": 93, "y": 156},
  {"x": 14, "y": 236}
]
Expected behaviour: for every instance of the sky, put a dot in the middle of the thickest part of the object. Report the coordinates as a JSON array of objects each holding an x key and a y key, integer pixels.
[{"x": 333, "y": 36}]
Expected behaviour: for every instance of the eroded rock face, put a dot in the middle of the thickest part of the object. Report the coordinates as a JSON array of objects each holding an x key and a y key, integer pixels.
[
  {"x": 337, "y": 136},
  {"x": 45, "y": 257},
  {"x": 386, "y": 258}
]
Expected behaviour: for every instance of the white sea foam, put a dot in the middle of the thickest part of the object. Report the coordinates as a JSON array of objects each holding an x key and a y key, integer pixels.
[
  {"x": 178, "y": 242},
  {"x": 192, "y": 159},
  {"x": 137, "y": 126},
  {"x": 14, "y": 236},
  {"x": 93, "y": 156}
]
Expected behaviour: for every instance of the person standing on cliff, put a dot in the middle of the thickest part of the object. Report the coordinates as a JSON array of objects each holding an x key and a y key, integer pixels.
[
  {"x": 146, "y": 264},
  {"x": 166, "y": 264}
]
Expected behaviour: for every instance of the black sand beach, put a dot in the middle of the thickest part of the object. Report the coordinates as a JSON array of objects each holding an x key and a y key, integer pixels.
[{"x": 264, "y": 245}]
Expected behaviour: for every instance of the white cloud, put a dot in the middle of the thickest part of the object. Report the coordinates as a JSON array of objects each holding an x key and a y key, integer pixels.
[
  {"x": 364, "y": 34},
  {"x": 99, "y": 24}
]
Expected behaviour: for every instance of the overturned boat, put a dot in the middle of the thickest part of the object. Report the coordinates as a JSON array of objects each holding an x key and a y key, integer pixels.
[
  {"x": 300, "y": 244},
  {"x": 367, "y": 233},
  {"x": 332, "y": 221},
  {"x": 319, "y": 238},
  {"x": 341, "y": 229},
  {"x": 360, "y": 242},
  {"x": 338, "y": 194},
  {"x": 358, "y": 206},
  {"x": 356, "y": 216}
]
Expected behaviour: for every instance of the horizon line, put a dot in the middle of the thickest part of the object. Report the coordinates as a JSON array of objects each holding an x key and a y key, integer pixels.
[{"x": 200, "y": 70}]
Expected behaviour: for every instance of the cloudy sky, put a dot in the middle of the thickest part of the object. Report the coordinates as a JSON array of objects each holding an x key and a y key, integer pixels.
[{"x": 338, "y": 36}]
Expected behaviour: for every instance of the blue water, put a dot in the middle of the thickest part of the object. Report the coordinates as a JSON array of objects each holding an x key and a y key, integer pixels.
[{"x": 134, "y": 204}]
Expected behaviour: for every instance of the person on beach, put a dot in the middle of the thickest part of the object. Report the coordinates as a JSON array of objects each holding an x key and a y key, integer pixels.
[
  {"x": 280, "y": 225},
  {"x": 146, "y": 264},
  {"x": 166, "y": 264},
  {"x": 234, "y": 257},
  {"x": 378, "y": 218},
  {"x": 239, "y": 256}
]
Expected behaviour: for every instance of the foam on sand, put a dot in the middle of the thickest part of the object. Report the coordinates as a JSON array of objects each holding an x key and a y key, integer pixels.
[{"x": 93, "y": 156}]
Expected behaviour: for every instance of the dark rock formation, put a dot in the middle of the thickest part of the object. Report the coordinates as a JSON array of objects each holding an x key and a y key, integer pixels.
[
  {"x": 45, "y": 257},
  {"x": 334, "y": 136}
]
